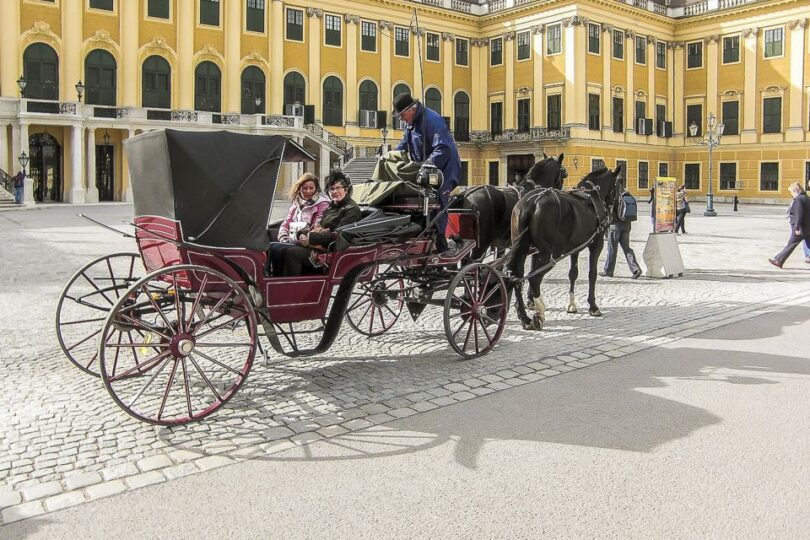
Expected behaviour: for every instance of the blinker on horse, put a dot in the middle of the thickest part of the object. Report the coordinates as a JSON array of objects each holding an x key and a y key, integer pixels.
[{"x": 560, "y": 224}]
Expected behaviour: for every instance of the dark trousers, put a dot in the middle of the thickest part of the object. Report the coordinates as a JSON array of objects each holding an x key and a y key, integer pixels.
[
  {"x": 680, "y": 218},
  {"x": 618, "y": 237},
  {"x": 794, "y": 241},
  {"x": 290, "y": 260}
]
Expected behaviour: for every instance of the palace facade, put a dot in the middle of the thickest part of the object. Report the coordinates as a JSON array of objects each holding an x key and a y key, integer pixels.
[{"x": 603, "y": 81}]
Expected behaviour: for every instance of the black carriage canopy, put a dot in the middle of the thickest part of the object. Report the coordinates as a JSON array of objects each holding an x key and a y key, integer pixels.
[{"x": 219, "y": 185}]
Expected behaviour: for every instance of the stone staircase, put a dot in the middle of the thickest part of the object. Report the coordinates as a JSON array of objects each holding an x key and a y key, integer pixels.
[
  {"x": 6, "y": 191},
  {"x": 360, "y": 169}
]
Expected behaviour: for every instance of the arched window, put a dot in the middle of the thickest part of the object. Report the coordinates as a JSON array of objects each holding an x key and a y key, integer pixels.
[
  {"x": 461, "y": 122},
  {"x": 332, "y": 102},
  {"x": 368, "y": 96},
  {"x": 156, "y": 83},
  {"x": 100, "y": 78},
  {"x": 207, "y": 95},
  {"x": 294, "y": 90},
  {"x": 41, "y": 72},
  {"x": 401, "y": 88},
  {"x": 253, "y": 81},
  {"x": 433, "y": 100}
]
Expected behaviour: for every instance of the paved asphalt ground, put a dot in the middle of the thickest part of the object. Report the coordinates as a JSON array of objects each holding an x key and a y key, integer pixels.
[{"x": 700, "y": 429}]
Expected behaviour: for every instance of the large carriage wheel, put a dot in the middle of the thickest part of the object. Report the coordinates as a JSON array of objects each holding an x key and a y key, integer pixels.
[
  {"x": 85, "y": 301},
  {"x": 375, "y": 305},
  {"x": 475, "y": 310},
  {"x": 196, "y": 347}
]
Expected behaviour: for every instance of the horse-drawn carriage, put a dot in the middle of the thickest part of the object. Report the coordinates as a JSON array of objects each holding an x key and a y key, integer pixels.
[{"x": 173, "y": 329}]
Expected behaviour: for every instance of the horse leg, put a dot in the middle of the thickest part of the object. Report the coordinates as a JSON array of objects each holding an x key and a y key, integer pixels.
[
  {"x": 535, "y": 265},
  {"x": 594, "y": 250},
  {"x": 516, "y": 271},
  {"x": 539, "y": 318},
  {"x": 573, "y": 272}
]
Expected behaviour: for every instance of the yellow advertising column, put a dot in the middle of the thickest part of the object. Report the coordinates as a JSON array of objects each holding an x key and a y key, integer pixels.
[
  {"x": 352, "y": 108},
  {"x": 711, "y": 75},
  {"x": 795, "y": 131},
  {"x": 71, "y": 59},
  {"x": 128, "y": 21},
  {"x": 509, "y": 83},
  {"x": 386, "y": 31},
  {"x": 185, "y": 54},
  {"x": 480, "y": 89},
  {"x": 538, "y": 115},
  {"x": 276, "y": 105},
  {"x": 10, "y": 63},
  {"x": 448, "y": 58},
  {"x": 749, "y": 115},
  {"x": 315, "y": 41},
  {"x": 607, "y": 88},
  {"x": 233, "y": 52}
]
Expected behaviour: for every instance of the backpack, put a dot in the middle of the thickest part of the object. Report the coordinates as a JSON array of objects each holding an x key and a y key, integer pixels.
[{"x": 628, "y": 208}]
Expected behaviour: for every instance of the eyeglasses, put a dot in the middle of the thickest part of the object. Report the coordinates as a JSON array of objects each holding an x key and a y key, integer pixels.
[{"x": 336, "y": 187}]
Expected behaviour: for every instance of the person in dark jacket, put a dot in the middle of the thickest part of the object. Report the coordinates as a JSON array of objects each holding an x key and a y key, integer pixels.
[
  {"x": 295, "y": 260},
  {"x": 799, "y": 216},
  {"x": 618, "y": 234},
  {"x": 428, "y": 141}
]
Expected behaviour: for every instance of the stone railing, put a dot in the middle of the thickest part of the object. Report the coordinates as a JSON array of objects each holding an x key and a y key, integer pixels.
[
  {"x": 6, "y": 181},
  {"x": 513, "y": 135},
  {"x": 343, "y": 148},
  {"x": 45, "y": 106},
  {"x": 698, "y": 8},
  {"x": 365, "y": 151},
  {"x": 278, "y": 120}
]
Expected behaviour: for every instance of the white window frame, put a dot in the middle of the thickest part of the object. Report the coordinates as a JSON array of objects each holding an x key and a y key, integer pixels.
[
  {"x": 340, "y": 22},
  {"x": 736, "y": 175},
  {"x": 517, "y": 46},
  {"x": 764, "y": 43},
  {"x": 702, "y": 56},
  {"x": 599, "y": 33},
  {"x": 491, "y": 41},
  {"x": 666, "y": 56},
  {"x": 376, "y": 35},
  {"x": 303, "y": 25},
  {"x": 613, "y": 41},
  {"x": 407, "y": 33},
  {"x": 439, "y": 37},
  {"x": 739, "y": 48},
  {"x": 635, "y": 51},
  {"x": 548, "y": 34},
  {"x": 455, "y": 54}
]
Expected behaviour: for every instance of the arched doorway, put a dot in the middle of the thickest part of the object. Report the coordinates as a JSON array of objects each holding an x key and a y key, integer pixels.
[
  {"x": 252, "y": 87},
  {"x": 332, "y": 102},
  {"x": 294, "y": 90},
  {"x": 100, "y": 78},
  {"x": 207, "y": 95},
  {"x": 45, "y": 167},
  {"x": 41, "y": 72},
  {"x": 433, "y": 100},
  {"x": 156, "y": 84}
]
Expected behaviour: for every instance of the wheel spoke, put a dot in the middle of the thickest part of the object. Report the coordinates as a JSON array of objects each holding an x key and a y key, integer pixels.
[
  {"x": 371, "y": 321},
  {"x": 100, "y": 319},
  {"x": 138, "y": 345},
  {"x": 149, "y": 382},
  {"x": 216, "y": 307},
  {"x": 112, "y": 277},
  {"x": 142, "y": 324},
  {"x": 215, "y": 328},
  {"x": 486, "y": 333},
  {"x": 180, "y": 317},
  {"x": 205, "y": 378},
  {"x": 134, "y": 352},
  {"x": 168, "y": 389},
  {"x": 197, "y": 300},
  {"x": 117, "y": 352},
  {"x": 361, "y": 296},
  {"x": 223, "y": 345},
  {"x": 220, "y": 364},
  {"x": 475, "y": 334},
  {"x": 85, "y": 339},
  {"x": 186, "y": 386},
  {"x": 469, "y": 331},
  {"x": 490, "y": 293},
  {"x": 157, "y": 309},
  {"x": 92, "y": 284},
  {"x": 141, "y": 368}
]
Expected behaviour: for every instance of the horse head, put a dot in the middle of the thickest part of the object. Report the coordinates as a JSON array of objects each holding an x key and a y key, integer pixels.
[
  {"x": 548, "y": 172},
  {"x": 605, "y": 182}
]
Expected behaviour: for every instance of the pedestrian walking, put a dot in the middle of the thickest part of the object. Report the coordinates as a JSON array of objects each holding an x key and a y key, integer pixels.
[
  {"x": 618, "y": 234},
  {"x": 799, "y": 216},
  {"x": 19, "y": 187},
  {"x": 681, "y": 209}
]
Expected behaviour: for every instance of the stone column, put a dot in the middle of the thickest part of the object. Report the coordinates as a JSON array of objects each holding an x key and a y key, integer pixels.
[
  {"x": 4, "y": 151},
  {"x": 276, "y": 58},
  {"x": 352, "y": 108},
  {"x": 128, "y": 71},
  {"x": 630, "y": 91},
  {"x": 607, "y": 88},
  {"x": 324, "y": 164},
  {"x": 91, "y": 195},
  {"x": 749, "y": 112},
  {"x": 678, "y": 105},
  {"x": 712, "y": 75},
  {"x": 538, "y": 95},
  {"x": 651, "y": 90},
  {"x": 575, "y": 99},
  {"x": 509, "y": 83},
  {"x": 70, "y": 61},
  {"x": 77, "y": 191},
  {"x": 795, "y": 130},
  {"x": 233, "y": 52},
  {"x": 386, "y": 90},
  {"x": 185, "y": 23},
  {"x": 315, "y": 43},
  {"x": 449, "y": 58},
  {"x": 20, "y": 141},
  {"x": 10, "y": 57},
  {"x": 126, "y": 181},
  {"x": 479, "y": 107}
]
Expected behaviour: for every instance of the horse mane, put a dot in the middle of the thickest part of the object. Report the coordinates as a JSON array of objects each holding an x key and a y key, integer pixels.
[{"x": 592, "y": 175}]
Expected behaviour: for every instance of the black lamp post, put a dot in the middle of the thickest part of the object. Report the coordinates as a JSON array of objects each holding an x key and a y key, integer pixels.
[
  {"x": 384, "y": 133},
  {"x": 106, "y": 138},
  {"x": 712, "y": 139},
  {"x": 21, "y": 83},
  {"x": 79, "y": 89},
  {"x": 24, "y": 159}
]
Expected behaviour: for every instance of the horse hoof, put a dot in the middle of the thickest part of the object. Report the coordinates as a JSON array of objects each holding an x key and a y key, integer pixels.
[
  {"x": 571, "y": 309},
  {"x": 534, "y": 324},
  {"x": 595, "y": 312}
]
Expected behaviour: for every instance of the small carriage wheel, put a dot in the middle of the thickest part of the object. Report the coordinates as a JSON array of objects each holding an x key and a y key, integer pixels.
[
  {"x": 198, "y": 341},
  {"x": 85, "y": 301},
  {"x": 375, "y": 305},
  {"x": 475, "y": 310}
]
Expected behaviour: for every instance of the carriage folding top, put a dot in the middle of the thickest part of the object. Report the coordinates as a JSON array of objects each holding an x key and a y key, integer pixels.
[{"x": 218, "y": 187}]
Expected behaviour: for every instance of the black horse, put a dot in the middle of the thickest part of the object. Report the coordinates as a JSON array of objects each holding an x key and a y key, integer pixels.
[
  {"x": 557, "y": 224},
  {"x": 494, "y": 204}
]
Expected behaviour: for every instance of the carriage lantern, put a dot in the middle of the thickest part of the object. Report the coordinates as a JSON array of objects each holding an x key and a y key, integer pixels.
[
  {"x": 79, "y": 89},
  {"x": 21, "y": 83}
]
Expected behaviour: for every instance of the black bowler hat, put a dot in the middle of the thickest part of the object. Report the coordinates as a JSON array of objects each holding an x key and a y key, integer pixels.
[{"x": 402, "y": 102}]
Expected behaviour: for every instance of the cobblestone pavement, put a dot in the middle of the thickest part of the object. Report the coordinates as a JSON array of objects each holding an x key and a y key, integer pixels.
[{"x": 64, "y": 441}]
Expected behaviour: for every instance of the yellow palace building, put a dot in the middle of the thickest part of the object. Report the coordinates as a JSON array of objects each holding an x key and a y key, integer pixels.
[{"x": 642, "y": 82}]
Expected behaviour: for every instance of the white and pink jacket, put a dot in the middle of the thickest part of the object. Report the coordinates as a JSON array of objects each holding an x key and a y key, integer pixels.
[{"x": 302, "y": 214}]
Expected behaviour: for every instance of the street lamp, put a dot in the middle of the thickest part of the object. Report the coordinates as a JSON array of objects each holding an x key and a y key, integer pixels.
[
  {"x": 24, "y": 159},
  {"x": 384, "y": 147},
  {"x": 712, "y": 139},
  {"x": 79, "y": 89},
  {"x": 21, "y": 82},
  {"x": 106, "y": 138},
  {"x": 258, "y": 102}
]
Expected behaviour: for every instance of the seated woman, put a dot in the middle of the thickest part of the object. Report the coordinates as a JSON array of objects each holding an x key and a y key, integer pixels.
[
  {"x": 295, "y": 259},
  {"x": 308, "y": 205}
]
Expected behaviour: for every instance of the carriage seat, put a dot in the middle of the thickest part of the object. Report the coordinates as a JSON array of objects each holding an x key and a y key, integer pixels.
[{"x": 376, "y": 226}]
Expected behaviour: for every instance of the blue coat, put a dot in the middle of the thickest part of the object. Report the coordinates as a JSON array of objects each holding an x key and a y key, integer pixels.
[{"x": 440, "y": 147}]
